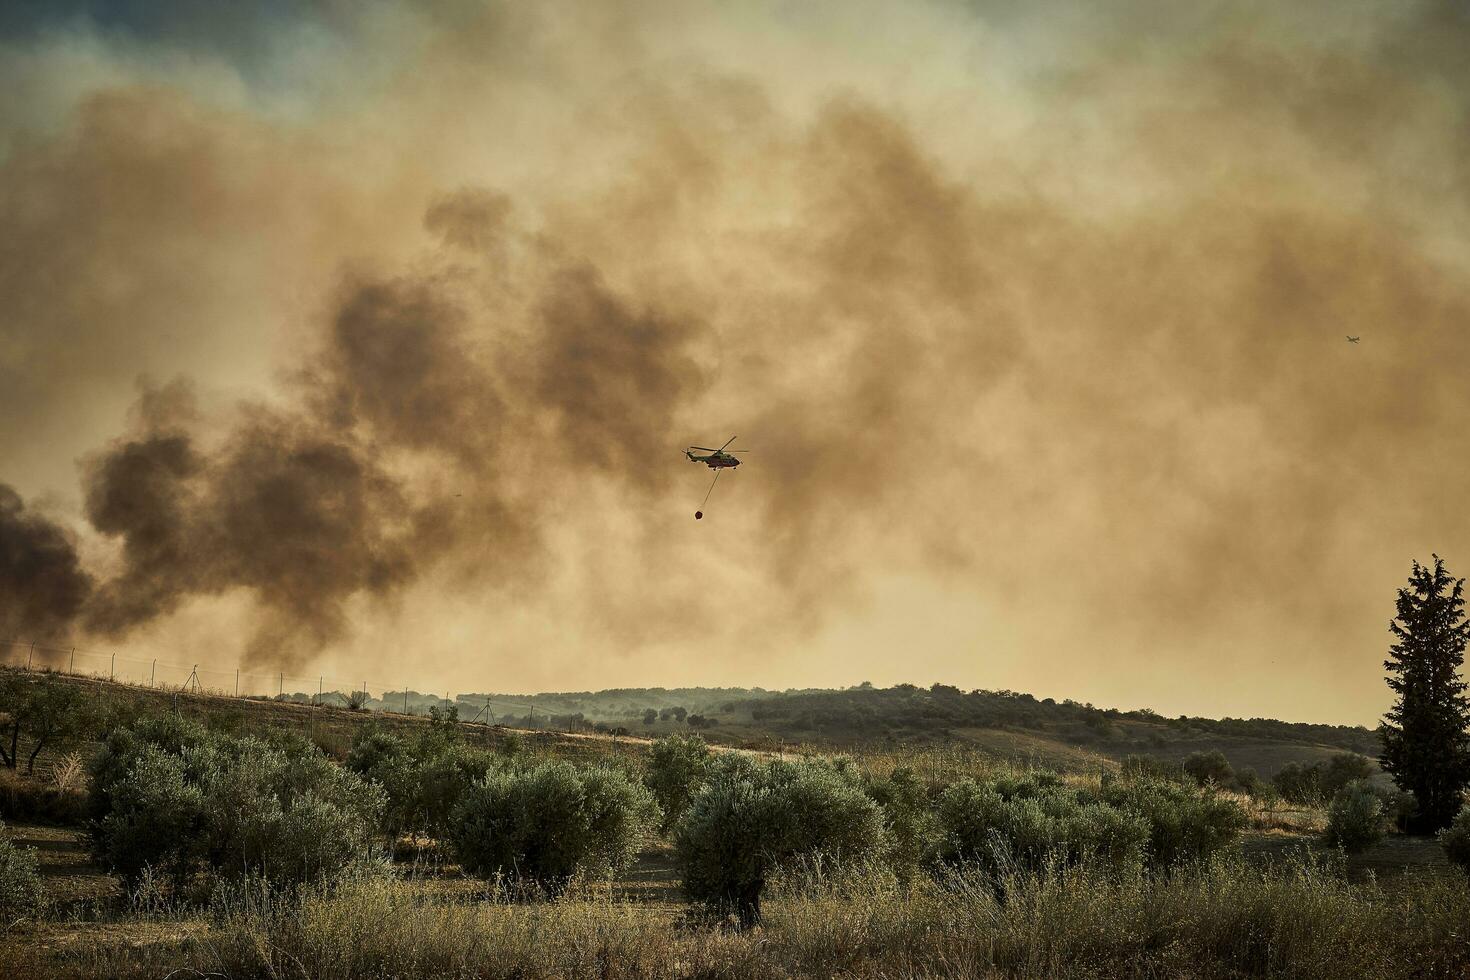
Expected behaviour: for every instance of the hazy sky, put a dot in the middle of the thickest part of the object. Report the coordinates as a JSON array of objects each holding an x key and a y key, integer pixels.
[{"x": 364, "y": 338}]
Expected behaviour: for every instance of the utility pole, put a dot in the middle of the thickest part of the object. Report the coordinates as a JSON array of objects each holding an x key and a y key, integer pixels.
[
  {"x": 152, "y": 671},
  {"x": 237, "y": 682},
  {"x": 73, "y": 668},
  {"x": 281, "y": 686},
  {"x": 112, "y": 670},
  {"x": 29, "y": 654}
]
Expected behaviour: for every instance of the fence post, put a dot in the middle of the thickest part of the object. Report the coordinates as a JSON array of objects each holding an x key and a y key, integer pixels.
[
  {"x": 73, "y": 668},
  {"x": 112, "y": 670},
  {"x": 152, "y": 671}
]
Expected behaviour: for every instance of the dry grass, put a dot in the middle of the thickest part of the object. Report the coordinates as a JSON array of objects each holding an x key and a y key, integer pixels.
[
  {"x": 69, "y": 774},
  {"x": 1296, "y": 918}
]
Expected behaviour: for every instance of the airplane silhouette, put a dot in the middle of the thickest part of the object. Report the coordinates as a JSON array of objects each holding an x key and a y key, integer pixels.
[{"x": 1353, "y": 340}]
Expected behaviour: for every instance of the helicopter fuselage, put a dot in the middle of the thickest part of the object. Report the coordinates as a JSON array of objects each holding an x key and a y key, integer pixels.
[{"x": 714, "y": 461}]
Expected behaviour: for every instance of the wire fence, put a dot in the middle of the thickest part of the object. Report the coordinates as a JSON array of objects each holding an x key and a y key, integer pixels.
[{"x": 167, "y": 675}]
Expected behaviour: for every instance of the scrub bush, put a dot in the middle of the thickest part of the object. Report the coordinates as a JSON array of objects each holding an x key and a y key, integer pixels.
[
  {"x": 548, "y": 823},
  {"x": 1031, "y": 830},
  {"x": 1184, "y": 824},
  {"x": 677, "y": 767},
  {"x": 180, "y": 800},
  {"x": 1354, "y": 818},
  {"x": 1455, "y": 839},
  {"x": 1209, "y": 767},
  {"x": 908, "y": 819},
  {"x": 750, "y": 819},
  {"x": 423, "y": 779}
]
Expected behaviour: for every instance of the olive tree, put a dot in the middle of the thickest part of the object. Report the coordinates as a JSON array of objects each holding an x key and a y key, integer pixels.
[
  {"x": 677, "y": 767},
  {"x": 749, "y": 820},
  {"x": 548, "y": 823},
  {"x": 178, "y": 799},
  {"x": 1355, "y": 818},
  {"x": 46, "y": 711}
]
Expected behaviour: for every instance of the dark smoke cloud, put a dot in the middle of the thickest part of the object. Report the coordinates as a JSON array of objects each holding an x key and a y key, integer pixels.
[
  {"x": 611, "y": 377},
  {"x": 400, "y": 417},
  {"x": 295, "y": 513},
  {"x": 42, "y": 584}
]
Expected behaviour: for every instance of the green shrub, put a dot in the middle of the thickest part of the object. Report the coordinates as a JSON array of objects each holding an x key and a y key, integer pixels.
[
  {"x": 443, "y": 779},
  {"x": 1035, "y": 821},
  {"x": 1030, "y": 785},
  {"x": 1298, "y": 783},
  {"x": 1321, "y": 781},
  {"x": 1209, "y": 767},
  {"x": 550, "y": 822},
  {"x": 908, "y": 819},
  {"x": 751, "y": 819},
  {"x": 1184, "y": 824},
  {"x": 309, "y": 818},
  {"x": 180, "y": 800},
  {"x": 677, "y": 767},
  {"x": 1455, "y": 839},
  {"x": 1034, "y": 825},
  {"x": 1398, "y": 807},
  {"x": 372, "y": 745},
  {"x": 155, "y": 818},
  {"x": 123, "y": 746},
  {"x": 1354, "y": 818},
  {"x": 1248, "y": 781},
  {"x": 20, "y": 886},
  {"x": 1344, "y": 768},
  {"x": 423, "y": 778}
]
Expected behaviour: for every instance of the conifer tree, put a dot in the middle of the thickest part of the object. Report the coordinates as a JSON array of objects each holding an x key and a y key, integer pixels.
[{"x": 1426, "y": 734}]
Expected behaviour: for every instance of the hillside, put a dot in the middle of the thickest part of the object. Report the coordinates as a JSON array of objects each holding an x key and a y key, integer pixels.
[{"x": 1003, "y": 724}]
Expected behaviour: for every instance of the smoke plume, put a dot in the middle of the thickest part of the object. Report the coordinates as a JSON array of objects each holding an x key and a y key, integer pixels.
[
  {"x": 1033, "y": 321},
  {"x": 42, "y": 584}
]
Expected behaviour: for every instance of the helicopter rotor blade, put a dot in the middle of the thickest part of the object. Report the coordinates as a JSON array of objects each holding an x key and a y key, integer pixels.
[
  {"x": 727, "y": 442},
  {"x": 704, "y": 449}
]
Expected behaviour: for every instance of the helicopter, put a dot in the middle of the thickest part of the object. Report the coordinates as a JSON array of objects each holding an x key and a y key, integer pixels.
[{"x": 718, "y": 460}]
